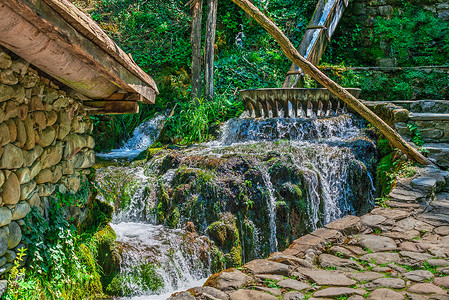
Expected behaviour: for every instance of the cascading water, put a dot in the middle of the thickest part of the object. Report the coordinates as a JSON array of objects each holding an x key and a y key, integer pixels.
[
  {"x": 253, "y": 191},
  {"x": 143, "y": 136}
]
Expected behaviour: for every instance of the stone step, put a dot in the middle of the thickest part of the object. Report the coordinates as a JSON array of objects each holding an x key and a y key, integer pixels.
[
  {"x": 425, "y": 106},
  {"x": 429, "y": 117},
  {"x": 434, "y": 219},
  {"x": 440, "y": 207},
  {"x": 439, "y": 153}
]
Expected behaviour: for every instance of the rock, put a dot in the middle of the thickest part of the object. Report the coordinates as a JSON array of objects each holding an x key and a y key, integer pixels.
[
  {"x": 404, "y": 235},
  {"x": 5, "y": 216},
  {"x": 397, "y": 268},
  {"x": 181, "y": 296},
  {"x": 293, "y": 284},
  {"x": 26, "y": 190},
  {"x": 442, "y": 281},
  {"x": 382, "y": 294},
  {"x": 426, "y": 288},
  {"x": 5, "y": 268},
  {"x": 47, "y": 137},
  {"x": 415, "y": 297},
  {"x": 209, "y": 293},
  {"x": 365, "y": 276},
  {"x": 274, "y": 291},
  {"x": 377, "y": 243},
  {"x": 2, "y": 178},
  {"x": 64, "y": 125},
  {"x": 438, "y": 297},
  {"x": 393, "y": 214},
  {"x": 438, "y": 262},
  {"x": 30, "y": 134},
  {"x": 381, "y": 258},
  {"x": 355, "y": 297},
  {"x": 251, "y": 295},
  {"x": 44, "y": 176},
  {"x": 11, "y": 189},
  {"x": 347, "y": 225},
  {"x": 410, "y": 246},
  {"x": 442, "y": 230},
  {"x": 4, "y": 134},
  {"x": 418, "y": 275},
  {"x": 327, "y": 278},
  {"x": 3, "y": 240},
  {"x": 3, "y": 287},
  {"x": 15, "y": 235},
  {"x": 12, "y": 130},
  {"x": 293, "y": 296},
  {"x": 340, "y": 251},
  {"x": 265, "y": 266},
  {"x": 289, "y": 260},
  {"x": 21, "y": 210},
  {"x": 12, "y": 157},
  {"x": 10, "y": 255},
  {"x": 31, "y": 156},
  {"x": 228, "y": 280},
  {"x": 54, "y": 155},
  {"x": 23, "y": 175},
  {"x": 335, "y": 292},
  {"x": 355, "y": 249},
  {"x": 372, "y": 220},
  {"x": 269, "y": 277},
  {"x": 416, "y": 255},
  {"x": 40, "y": 119},
  {"x": 331, "y": 261},
  {"x": 5, "y": 60},
  {"x": 51, "y": 117},
  {"x": 391, "y": 283}
]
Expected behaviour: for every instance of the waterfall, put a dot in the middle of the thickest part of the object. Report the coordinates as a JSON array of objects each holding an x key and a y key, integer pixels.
[
  {"x": 267, "y": 173},
  {"x": 142, "y": 137},
  {"x": 271, "y": 201}
]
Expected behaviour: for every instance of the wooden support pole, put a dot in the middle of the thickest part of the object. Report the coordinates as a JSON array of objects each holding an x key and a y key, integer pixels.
[
  {"x": 290, "y": 51},
  {"x": 195, "y": 39},
  {"x": 212, "y": 6}
]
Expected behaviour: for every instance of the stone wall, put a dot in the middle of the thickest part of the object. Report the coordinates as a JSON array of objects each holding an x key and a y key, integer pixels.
[{"x": 45, "y": 145}]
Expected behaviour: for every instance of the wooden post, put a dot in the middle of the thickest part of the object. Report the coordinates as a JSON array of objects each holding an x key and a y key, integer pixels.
[
  {"x": 195, "y": 39},
  {"x": 209, "y": 51},
  {"x": 290, "y": 51}
]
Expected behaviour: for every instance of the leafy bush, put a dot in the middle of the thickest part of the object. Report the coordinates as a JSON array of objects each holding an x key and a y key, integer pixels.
[{"x": 60, "y": 264}]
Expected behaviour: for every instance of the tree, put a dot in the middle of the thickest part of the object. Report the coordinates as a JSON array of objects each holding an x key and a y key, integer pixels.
[
  {"x": 209, "y": 47},
  {"x": 196, "y": 8}
]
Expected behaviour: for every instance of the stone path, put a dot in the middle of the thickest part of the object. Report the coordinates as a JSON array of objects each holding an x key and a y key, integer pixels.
[{"x": 398, "y": 252}]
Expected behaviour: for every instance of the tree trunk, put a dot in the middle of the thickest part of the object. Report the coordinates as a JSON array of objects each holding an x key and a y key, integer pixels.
[
  {"x": 290, "y": 51},
  {"x": 210, "y": 43},
  {"x": 195, "y": 39}
]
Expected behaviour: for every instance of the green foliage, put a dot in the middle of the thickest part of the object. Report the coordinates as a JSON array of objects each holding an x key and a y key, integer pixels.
[
  {"x": 416, "y": 135},
  {"x": 58, "y": 265},
  {"x": 415, "y": 37}
]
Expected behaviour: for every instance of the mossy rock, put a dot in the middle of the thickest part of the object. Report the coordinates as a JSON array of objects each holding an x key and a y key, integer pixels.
[{"x": 108, "y": 256}]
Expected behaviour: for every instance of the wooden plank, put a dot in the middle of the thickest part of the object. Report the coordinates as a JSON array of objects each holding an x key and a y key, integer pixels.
[
  {"x": 93, "y": 32},
  {"x": 34, "y": 31},
  {"x": 111, "y": 107}
]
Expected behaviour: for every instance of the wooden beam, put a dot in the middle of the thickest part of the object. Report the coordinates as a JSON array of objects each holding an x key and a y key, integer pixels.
[
  {"x": 36, "y": 32},
  {"x": 93, "y": 32},
  {"x": 290, "y": 51},
  {"x": 111, "y": 107}
]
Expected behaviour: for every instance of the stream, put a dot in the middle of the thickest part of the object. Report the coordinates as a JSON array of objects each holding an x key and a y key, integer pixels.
[{"x": 184, "y": 214}]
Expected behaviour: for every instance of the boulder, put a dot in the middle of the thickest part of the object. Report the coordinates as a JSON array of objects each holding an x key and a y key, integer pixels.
[
  {"x": 418, "y": 275},
  {"x": 54, "y": 155},
  {"x": 51, "y": 117},
  {"x": 27, "y": 189},
  {"x": 426, "y": 288},
  {"x": 64, "y": 125},
  {"x": 3, "y": 240},
  {"x": 265, "y": 266},
  {"x": 44, "y": 176},
  {"x": 30, "y": 133},
  {"x": 5, "y": 216},
  {"x": 377, "y": 243},
  {"x": 21, "y": 137},
  {"x": 15, "y": 235},
  {"x": 382, "y": 294},
  {"x": 4, "y": 134},
  {"x": 24, "y": 175},
  {"x": 12, "y": 157},
  {"x": 251, "y": 295},
  {"x": 21, "y": 210},
  {"x": 47, "y": 137},
  {"x": 31, "y": 156},
  {"x": 293, "y": 284},
  {"x": 74, "y": 144},
  {"x": 228, "y": 280},
  {"x": 40, "y": 119},
  {"x": 12, "y": 130},
  {"x": 11, "y": 189},
  {"x": 335, "y": 292}
]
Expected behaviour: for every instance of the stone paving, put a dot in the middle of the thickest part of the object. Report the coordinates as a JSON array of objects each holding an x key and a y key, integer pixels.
[{"x": 399, "y": 252}]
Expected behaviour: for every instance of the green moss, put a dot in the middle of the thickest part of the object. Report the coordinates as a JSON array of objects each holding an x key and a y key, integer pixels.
[{"x": 173, "y": 218}]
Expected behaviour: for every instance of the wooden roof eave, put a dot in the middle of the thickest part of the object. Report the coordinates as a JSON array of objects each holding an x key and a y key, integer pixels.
[{"x": 58, "y": 46}]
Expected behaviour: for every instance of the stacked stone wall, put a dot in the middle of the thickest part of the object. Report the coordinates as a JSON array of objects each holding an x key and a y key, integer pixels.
[{"x": 45, "y": 145}]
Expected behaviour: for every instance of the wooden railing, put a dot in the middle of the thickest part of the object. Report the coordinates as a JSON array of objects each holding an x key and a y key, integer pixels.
[{"x": 317, "y": 36}]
